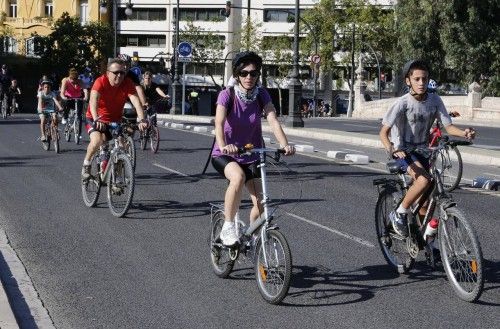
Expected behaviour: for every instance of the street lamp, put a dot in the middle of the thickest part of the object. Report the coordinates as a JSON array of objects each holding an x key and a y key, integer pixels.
[
  {"x": 176, "y": 85},
  {"x": 103, "y": 9}
]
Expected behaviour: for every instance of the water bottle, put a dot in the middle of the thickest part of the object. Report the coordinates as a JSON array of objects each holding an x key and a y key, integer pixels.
[
  {"x": 431, "y": 229},
  {"x": 103, "y": 157}
]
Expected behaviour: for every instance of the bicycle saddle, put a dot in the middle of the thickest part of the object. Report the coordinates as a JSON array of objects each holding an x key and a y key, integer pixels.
[{"x": 395, "y": 167}]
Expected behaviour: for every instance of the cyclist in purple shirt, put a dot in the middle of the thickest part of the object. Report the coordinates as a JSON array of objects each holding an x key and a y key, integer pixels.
[{"x": 236, "y": 125}]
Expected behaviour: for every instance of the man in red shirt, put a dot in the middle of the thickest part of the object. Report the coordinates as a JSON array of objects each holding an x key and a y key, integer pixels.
[{"x": 107, "y": 98}]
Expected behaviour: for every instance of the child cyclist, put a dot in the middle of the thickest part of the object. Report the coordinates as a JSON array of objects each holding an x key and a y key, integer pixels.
[
  {"x": 406, "y": 125},
  {"x": 238, "y": 122},
  {"x": 47, "y": 101}
]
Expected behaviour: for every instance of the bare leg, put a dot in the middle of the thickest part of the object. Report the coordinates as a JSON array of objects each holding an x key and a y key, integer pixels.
[
  {"x": 232, "y": 198},
  {"x": 255, "y": 191},
  {"x": 420, "y": 184},
  {"x": 96, "y": 140}
]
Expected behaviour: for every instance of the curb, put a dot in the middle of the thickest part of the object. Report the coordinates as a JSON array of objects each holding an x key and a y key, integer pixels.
[
  {"x": 7, "y": 318},
  {"x": 469, "y": 154}
]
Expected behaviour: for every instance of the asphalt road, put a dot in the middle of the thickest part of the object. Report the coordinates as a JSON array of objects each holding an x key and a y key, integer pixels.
[{"x": 151, "y": 269}]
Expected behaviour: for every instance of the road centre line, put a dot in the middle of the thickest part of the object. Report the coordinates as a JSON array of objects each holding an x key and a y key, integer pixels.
[
  {"x": 342, "y": 234},
  {"x": 171, "y": 170},
  {"x": 358, "y": 125}
]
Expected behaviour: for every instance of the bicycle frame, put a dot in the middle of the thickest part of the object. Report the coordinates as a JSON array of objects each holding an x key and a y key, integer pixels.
[{"x": 112, "y": 154}]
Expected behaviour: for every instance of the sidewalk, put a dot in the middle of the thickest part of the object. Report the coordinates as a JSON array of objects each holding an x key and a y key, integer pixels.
[
  {"x": 7, "y": 318},
  {"x": 469, "y": 154}
]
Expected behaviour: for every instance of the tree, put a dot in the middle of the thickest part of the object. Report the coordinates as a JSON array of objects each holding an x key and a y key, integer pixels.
[
  {"x": 73, "y": 45},
  {"x": 207, "y": 48}
]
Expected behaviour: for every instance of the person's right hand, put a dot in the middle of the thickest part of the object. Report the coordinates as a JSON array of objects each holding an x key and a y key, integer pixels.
[{"x": 230, "y": 149}]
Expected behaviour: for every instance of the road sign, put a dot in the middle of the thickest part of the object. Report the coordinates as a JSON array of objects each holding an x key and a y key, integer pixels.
[
  {"x": 185, "y": 51},
  {"x": 315, "y": 59}
]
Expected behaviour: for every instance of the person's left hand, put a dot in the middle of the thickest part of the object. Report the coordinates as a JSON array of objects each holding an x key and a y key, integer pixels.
[
  {"x": 470, "y": 133},
  {"x": 143, "y": 125},
  {"x": 289, "y": 149}
]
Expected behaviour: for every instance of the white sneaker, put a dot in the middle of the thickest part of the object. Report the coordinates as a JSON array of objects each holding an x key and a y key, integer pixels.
[
  {"x": 63, "y": 121},
  {"x": 228, "y": 234}
]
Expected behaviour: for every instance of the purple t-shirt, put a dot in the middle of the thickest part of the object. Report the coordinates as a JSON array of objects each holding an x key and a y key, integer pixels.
[{"x": 242, "y": 125}]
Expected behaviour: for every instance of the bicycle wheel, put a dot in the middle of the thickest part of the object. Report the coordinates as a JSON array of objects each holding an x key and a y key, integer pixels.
[
  {"x": 67, "y": 131},
  {"x": 450, "y": 166},
  {"x": 154, "y": 138},
  {"x": 129, "y": 146},
  {"x": 55, "y": 139},
  {"x": 120, "y": 185},
  {"x": 92, "y": 187},
  {"x": 273, "y": 278},
  {"x": 461, "y": 255},
  {"x": 4, "y": 107},
  {"x": 46, "y": 144},
  {"x": 77, "y": 129},
  {"x": 219, "y": 255},
  {"x": 392, "y": 246},
  {"x": 143, "y": 139}
]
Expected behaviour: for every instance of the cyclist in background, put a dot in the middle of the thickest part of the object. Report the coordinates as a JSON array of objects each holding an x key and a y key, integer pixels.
[
  {"x": 5, "y": 81},
  {"x": 107, "y": 97},
  {"x": 237, "y": 123},
  {"x": 152, "y": 91},
  {"x": 72, "y": 87},
  {"x": 406, "y": 125},
  {"x": 13, "y": 96},
  {"x": 47, "y": 101}
]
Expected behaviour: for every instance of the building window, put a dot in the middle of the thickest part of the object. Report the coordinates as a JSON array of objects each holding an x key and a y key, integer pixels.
[
  {"x": 143, "y": 14},
  {"x": 200, "y": 14},
  {"x": 84, "y": 12},
  {"x": 49, "y": 8},
  {"x": 281, "y": 15},
  {"x": 13, "y": 8},
  {"x": 154, "y": 41},
  {"x": 31, "y": 47},
  {"x": 9, "y": 45}
]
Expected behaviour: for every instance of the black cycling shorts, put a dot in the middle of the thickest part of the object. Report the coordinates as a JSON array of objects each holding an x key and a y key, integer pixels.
[
  {"x": 89, "y": 124},
  {"x": 250, "y": 169}
]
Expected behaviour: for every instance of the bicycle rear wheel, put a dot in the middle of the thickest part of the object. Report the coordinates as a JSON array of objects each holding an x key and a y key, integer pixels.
[
  {"x": 92, "y": 187},
  {"x": 120, "y": 185},
  {"x": 461, "y": 255},
  {"x": 450, "y": 166},
  {"x": 221, "y": 261},
  {"x": 273, "y": 278},
  {"x": 392, "y": 246},
  {"x": 154, "y": 138}
]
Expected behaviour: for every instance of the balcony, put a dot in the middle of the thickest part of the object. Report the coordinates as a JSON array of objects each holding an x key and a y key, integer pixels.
[{"x": 20, "y": 22}]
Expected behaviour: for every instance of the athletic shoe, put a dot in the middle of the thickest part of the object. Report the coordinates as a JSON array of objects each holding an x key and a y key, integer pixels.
[
  {"x": 228, "y": 234},
  {"x": 399, "y": 223},
  {"x": 86, "y": 172}
]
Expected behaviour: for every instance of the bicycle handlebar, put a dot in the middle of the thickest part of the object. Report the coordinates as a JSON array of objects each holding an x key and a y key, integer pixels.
[{"x": 248, "y": 149}]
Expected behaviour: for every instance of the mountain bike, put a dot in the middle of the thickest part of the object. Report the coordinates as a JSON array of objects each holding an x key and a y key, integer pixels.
[
  {"x": 449, "y": 160},
  {"x": 51, "y": 132},
  {"x": 152, "y": 133},
  {"x": 456, "y": 240},
  {"x": 113, "y": 169},
  {"x": 261, "y": 243},
  {"x": 129, "y": 126},
  {"x": 74, "y": 122}
]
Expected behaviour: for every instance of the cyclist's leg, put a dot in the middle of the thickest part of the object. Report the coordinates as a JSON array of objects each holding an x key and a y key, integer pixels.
[
  {"x": 42, "y": 125},
  {"x": 97, "y": 138},
  {"x": 421, "y": 182},
  {"x": 254, "y": 187},
  {"x": 228, "y": 167}
]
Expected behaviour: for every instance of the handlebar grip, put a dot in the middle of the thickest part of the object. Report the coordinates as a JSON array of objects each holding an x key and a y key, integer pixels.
[{"x": 457, "y": 142}]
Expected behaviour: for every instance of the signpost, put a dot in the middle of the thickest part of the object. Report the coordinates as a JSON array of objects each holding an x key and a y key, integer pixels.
[{"x": 185, "y": 54}]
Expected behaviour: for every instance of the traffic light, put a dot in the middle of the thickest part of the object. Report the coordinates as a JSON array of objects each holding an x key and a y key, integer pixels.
[
  {"x": 226, "y": 11},
  {"x": 135, "y": 56}
]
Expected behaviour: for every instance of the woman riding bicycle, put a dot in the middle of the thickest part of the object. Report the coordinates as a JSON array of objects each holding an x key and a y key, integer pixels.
[
  {"x": 152, "y": 91},
  {"x": 72, "y": 87},
  {"x": 237, "y": 123}
]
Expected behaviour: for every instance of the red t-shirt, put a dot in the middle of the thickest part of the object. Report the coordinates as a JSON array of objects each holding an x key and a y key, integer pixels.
[{"x": 111, "y": 99}]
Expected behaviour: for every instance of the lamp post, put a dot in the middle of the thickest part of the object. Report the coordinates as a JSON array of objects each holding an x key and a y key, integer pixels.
[
  {"x": 176, "y": 85},
  {"x": 295, "y": 86},
  {"x": 103, "y": 9}
]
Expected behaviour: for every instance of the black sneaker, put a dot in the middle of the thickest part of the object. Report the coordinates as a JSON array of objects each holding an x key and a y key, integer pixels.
[
  {"x": 399, "y": 223},
  {"x": 86, "y": 172}
]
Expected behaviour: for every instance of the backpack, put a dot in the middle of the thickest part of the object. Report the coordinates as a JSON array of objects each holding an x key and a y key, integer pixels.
[{"x": 229, "y": 109}]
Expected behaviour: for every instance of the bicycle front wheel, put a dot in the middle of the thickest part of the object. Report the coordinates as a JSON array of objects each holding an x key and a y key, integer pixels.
[
  {"x": 46, "y": 143},
  {"x": 143, "y": 139},
  {"x": 220, "y": 258},
  {"x": 461, "y": 255},
  {"x": 450, "y": 166},
  {"x": 67, "y": 131},
  {"x": 120, "y": 185},
  {"x": 77, "y": 130},
  {"x": 393, "y": 247},
  {"x": 92, "y": 187},
  {"x": 55, "y": 139},
  {"x": 154, "y": 138},
  {"x": 4, "y": 107},
  {"x": 273, "y": 267},
  {"x": 130, "y": 149}
]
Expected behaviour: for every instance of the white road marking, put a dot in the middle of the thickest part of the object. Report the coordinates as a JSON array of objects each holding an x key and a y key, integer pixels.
[
  {"x": 169, "y": 169},
  {"x": 342, "y": 234},
  {"x": 488, "y": 173},
  {"x": 358, "y": 125}
]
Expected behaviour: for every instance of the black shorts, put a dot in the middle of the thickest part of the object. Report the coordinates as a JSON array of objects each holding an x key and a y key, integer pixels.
[
  {"x": 89, "y": 124},
  {"x": 250, "y": 169}
]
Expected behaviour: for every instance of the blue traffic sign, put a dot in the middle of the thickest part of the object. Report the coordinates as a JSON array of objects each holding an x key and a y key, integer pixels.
[{"x": 185, "y": 49}]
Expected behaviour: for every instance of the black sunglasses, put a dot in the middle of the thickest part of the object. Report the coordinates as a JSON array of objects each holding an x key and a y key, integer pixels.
[
  {"x": 253, "y": 73},
  {"x": 117, "y": 72}
]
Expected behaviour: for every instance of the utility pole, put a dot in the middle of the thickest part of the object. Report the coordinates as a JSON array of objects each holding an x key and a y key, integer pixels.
[
  {"x": 351, "y": 90},
  {"x": 176, "y": 85}
]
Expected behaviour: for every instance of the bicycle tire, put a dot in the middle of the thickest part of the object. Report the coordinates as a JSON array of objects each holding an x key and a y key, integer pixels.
[
  {"x": 92, "y": 188},
  {"x": 143, "y": 140},
  {"x": 450, "y": 169},
  {"x": 120, "y": 182},
  {"x": 67, "y": 131},
  {"x": 393, "y": 249},
  {"x": 46, "y": 144},
  {"x": 55, "y": 139},
  {"x": 77, "y": 130},
  {"x": 130, "y": 149},
  {"x": 273, "y": 281},
  {"x": 461, "y": 255},
  {"x": 154, "y": 138},
  {"x": 4, "y": 107},
  {"x": 222, "y": 264}
]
